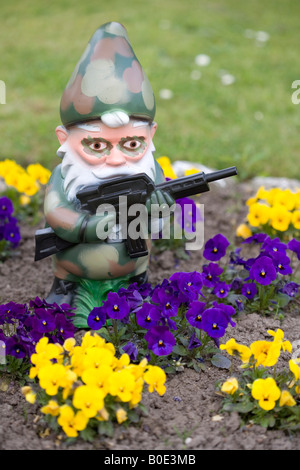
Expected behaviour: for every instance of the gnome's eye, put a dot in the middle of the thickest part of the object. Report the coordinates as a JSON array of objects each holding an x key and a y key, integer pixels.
[
  {"x": 132, "y": 145},
  {"x": 97, "y": 145}
]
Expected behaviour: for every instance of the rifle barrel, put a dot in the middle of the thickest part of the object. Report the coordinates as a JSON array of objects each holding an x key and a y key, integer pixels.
[{"x": 218, "y": 175}]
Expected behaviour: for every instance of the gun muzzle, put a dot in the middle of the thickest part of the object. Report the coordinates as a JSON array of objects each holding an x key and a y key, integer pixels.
[{"x": 219, "y": 175}]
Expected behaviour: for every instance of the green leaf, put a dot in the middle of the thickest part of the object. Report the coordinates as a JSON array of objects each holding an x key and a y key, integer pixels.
[
  {"x": 267, "y": 421},
  {"x": 104, "y": 333},
  {"x": 282, "y": 300},
  {"x": 106, "y": 428},
  {"x": 220, "y": 361},
  {"x": 180, "y": 350},
  {"x": 88, "y": 434},
  {"x": 133, "y": 416},
  {"x": 199, "y": 366}
]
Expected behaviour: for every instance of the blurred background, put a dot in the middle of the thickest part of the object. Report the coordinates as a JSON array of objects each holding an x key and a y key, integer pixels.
[{"x": 221, "y": 71}]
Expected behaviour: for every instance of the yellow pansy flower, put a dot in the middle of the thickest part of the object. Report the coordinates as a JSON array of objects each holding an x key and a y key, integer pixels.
[
  {"x": 39, "y": 173},
  {"x": 70, "y": 379},
  {"x": 121, "y": 415},
  {"x": 296, "y": 219},
  {"x": 272, "y": 194},
  {"x": 155, "y": 377},
  {"x": 286, "y": 399},
  {"x": 243, "y": 231},
  {"x": 89, "y": 399},
  {"x": 71, "y": 422},
  {"x": 230, "y": 386},
  {"x": 266, "y": 392},
  {"x": 297, "y": 199},
  {"x": 262, "y": 193},
  {"x": 24, "y": 200},
  {"x": 122, "y": 385},
  {"x": 138, "y": 369},
  {"x": 278, "y": 338},
  {"x": 102, "y": 415},
  {"x": 259, "y": 214},
  {"x": 241, "y": 350},
  {"x": 250, "y": 201},
  {"x": 98, "y": 377},
  {"x": 285, "y": 198},
  {"x": 45, "y": 351},
  {"x": 29, "y": 394},
  {"x": 265, "y": 353},
  {"x": 52, "y": 408},
  {"x": 95, "y": 357},
  {"x": 69, "y": 344},
  {"x": 167, "y": 168},
  {"x": 137, "y": 393},
  {"x": 52, "y": 377},
  {"x": 294, "y": 368},
  {"x": 121, "y": 363},
  {"x": 27, "y": 185},
  {"x": 191, "y": 171},
  {"x": 90, "y": 340},
  {"x": 280, "y": 218}
]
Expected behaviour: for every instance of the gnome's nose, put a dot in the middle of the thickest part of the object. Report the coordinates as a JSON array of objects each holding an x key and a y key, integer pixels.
[{"x": 115, "y": 158}]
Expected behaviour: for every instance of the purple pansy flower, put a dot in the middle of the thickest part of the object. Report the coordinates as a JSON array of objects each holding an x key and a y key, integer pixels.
[
  {"x": 273, "y": 245},
  {"x": 290, "y": 289},
  {"x": 168, "y": 302},
  {"x": 6, "y": 207},
  {"x": 11, "y": 233},
  {"x": 14, "y": 347},
  {"x": 194, "y": 342},
  {"x": 215, "y": 248},
  {"x": 294, "y": 245},
  {"x": 210, "y": 274},
  {"x": 187, "y": 213},
  {"x": 236, "y": 283},
  {"x": 235, "y": 258},
  {"x": 249, "y": 290},
  {"x": 239, "y": 301},
  {"x": 133, "y": 297},
  {"x": 65, "y": 328},
  {"x": 214, "y": 322},
  {"x": 160, "y": 340},
  {"x": 131, "y": 350},
  {"x": 263, "y": 270},
  {"x": 221, "y": 289},
  {"x": 116, "y": 306},
  {"x": 188, "y": 284},
  {"x": 256, "y": 238},
  {"x": 11, "y": 311},
  {"x": 228, "y": 311},
  {"x": 147, "y": 316},
  {"x": 43, "y": 321},
  {"x": 97, "y": 318},
  {"x": 194, "y": 315},
  {"x": 282, "y": 263}
]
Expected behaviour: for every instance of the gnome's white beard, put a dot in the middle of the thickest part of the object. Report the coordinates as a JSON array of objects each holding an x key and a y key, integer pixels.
[{"x": 77, "y": 174}]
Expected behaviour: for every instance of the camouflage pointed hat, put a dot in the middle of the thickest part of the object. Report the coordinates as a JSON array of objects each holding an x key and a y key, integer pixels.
[{"x": 107, "y": 78}]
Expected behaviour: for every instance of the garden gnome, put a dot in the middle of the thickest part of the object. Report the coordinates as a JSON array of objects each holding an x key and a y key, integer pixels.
[{"x": 107, "y": 112}]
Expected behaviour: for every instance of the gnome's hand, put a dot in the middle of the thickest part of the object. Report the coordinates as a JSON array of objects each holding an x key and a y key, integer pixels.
[
  {"x": 99, "y": 227},
  {"x": 160, "y": 199}
]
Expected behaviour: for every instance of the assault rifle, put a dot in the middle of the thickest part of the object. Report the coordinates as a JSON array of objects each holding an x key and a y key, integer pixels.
[{"x": 137, "y": 189}]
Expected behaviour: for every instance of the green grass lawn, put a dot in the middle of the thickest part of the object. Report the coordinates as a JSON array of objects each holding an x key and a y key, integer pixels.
[{"x": 251, "y": 123}]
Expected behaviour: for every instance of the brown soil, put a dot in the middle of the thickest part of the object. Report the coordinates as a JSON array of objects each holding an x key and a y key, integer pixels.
[{"x": 185, "y": 417}]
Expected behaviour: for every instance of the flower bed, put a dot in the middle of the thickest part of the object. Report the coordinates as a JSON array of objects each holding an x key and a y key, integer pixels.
[{"x": 188, "y": 414}]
